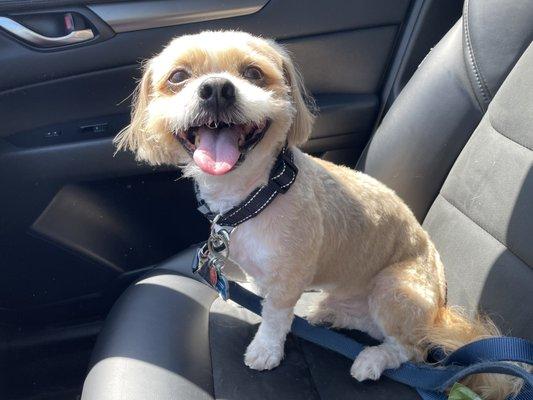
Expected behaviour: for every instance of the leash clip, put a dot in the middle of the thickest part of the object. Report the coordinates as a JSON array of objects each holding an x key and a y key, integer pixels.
[{"x": 224, "y": 229}]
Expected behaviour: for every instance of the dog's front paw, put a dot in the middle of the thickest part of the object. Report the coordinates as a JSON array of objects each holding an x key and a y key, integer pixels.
[
  {"x": 263, "y": 356},
  {"x": 369, "y": 364}
]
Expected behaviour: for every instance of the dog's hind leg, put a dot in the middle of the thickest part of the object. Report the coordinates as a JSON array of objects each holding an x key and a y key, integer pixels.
[
  {"x": 344, "y": 312},
  {"x": 404, "y": 300}
]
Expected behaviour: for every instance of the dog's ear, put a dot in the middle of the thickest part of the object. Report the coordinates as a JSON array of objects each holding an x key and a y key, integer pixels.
[
  {"x": 134, "y": 136},
  {"x": 303, "y": 103}
]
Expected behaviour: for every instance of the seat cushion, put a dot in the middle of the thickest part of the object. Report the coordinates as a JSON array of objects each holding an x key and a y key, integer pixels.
[
  {"x": 170, "y": 337},
  {"x": 307, "y": 371}
]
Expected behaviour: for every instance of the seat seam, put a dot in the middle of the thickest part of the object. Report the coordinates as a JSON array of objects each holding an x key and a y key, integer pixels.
[
  {"x": 483, "y": 229},
  {"x": 310, "y": 372},
  {"x": 211, "y": 347},
  {"x": 475, "y": 69},
  {"x": 491, "y": 125}
]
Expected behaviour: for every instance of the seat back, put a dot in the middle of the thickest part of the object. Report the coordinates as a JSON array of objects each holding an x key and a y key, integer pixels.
[
  {"x": 432, "y": 119},
  {"x": 482, "y": 219},
  {"x": 481, "y": 210}
]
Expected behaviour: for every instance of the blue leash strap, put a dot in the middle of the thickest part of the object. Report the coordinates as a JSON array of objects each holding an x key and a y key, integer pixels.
[
  {"x": 484, "y": 356},
  {"x": 495, "y": 349}
]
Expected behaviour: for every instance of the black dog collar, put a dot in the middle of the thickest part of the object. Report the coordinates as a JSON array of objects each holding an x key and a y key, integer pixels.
[{"x": 282, "y": 176}]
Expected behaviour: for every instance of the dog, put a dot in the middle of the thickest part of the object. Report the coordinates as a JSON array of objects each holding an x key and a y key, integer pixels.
[{"x": 221, "y": 106}]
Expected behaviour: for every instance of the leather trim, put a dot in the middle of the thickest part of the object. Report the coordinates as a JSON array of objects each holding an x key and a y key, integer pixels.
[
  {"x": 479, "y": 83},
  {"x": 155, "y": 343},
  {"x": 441, "y": 83}
]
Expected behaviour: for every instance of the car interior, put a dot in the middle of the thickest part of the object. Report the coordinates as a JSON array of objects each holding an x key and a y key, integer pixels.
[{"x": 97, "y": 297}]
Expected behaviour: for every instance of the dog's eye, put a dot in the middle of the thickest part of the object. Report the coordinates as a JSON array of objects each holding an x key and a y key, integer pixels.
[
  {"x": 178, "y": 76},
  {"x": 253, "y": 73}
]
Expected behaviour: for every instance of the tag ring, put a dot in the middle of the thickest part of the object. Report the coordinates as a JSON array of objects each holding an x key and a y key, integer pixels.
[{"x": 220, "y": 249}]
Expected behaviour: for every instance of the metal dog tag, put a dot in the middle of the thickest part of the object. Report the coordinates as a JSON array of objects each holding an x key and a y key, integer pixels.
[
  {"x": 211, "y": 257},
  {"x": 209, "y": 262}
]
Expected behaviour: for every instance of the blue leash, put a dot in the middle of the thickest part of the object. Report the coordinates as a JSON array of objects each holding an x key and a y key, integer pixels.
[{"x": 486, "y": 355}]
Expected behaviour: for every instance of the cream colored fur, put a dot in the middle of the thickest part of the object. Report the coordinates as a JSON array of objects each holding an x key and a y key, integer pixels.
[{"x": 336, "y": 229}]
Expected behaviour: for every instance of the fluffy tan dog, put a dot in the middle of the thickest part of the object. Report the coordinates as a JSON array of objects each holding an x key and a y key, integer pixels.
[{"x": 222, "y": 105}]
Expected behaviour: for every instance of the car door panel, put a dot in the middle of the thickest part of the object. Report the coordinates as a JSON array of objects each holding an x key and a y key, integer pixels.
[
  {"x": 329, "y": 63},
  {"x": 278, "y": 19}
]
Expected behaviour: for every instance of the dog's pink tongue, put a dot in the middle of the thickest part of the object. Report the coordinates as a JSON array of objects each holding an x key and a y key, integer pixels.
[{"x": 217, "y": 152}]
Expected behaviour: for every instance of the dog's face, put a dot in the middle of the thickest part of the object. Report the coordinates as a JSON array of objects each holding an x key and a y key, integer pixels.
[{"x": 217, "y": 100}]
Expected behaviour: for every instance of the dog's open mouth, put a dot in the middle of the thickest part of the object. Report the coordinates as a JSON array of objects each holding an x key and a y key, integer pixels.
[{"x": 218, "y": 148}]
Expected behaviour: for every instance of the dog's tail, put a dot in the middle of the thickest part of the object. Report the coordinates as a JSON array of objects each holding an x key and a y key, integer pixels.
[{"x": 453, "y": 329}]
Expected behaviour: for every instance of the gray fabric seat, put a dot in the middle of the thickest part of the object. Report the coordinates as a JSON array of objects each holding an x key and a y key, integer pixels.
[
  {"x": 455, "y": 146},
  {"x": 487, "y": 199}
]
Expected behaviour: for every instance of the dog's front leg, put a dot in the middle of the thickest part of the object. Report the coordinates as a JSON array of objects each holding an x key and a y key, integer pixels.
[{"x": 267, "y": 348}]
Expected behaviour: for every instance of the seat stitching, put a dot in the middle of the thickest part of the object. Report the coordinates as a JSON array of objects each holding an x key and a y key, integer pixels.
[
  {"x": 477, "y": 72},
  {"x": 483, "y": 229},
  {"x": 491, "y": 125}
]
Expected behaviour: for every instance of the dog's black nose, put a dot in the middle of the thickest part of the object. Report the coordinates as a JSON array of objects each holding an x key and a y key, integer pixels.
[{"x": 217, "y": 93}]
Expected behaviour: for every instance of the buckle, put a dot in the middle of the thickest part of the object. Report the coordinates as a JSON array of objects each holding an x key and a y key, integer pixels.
[{"x": 283, "y": 180}]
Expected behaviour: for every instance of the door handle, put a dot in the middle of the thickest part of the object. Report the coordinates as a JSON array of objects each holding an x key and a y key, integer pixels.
[{"x": 26, "y": 34}]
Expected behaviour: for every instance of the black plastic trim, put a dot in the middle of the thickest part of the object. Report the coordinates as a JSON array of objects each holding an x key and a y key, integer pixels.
[{"x": 134, "y": 16}]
